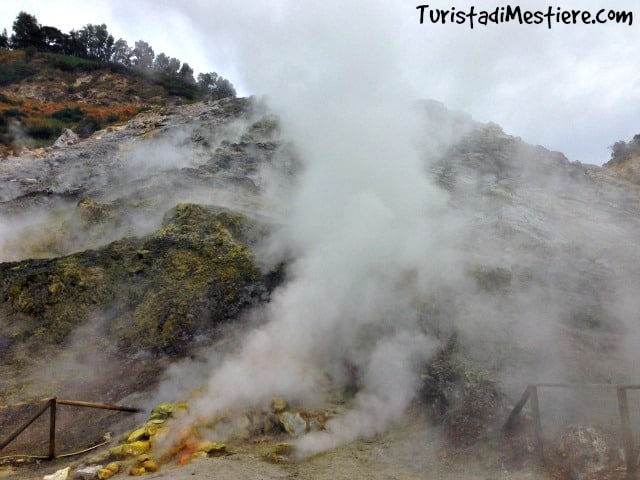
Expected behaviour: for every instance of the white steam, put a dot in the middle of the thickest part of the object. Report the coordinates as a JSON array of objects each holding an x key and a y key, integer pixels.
[
  {"x": 390, "y": 383},
  {"x": 364, "y": 227},
  {"x": 369, "y": 232}
]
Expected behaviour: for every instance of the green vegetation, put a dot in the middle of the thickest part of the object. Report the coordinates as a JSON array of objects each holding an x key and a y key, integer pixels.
[
  {"x": 67, "y": 63},
  {"x": 68, "y": 114},
  {"x": 15, "y": 72},
  {"x": 43, "y": 129},
  {"x": 84, "y": 62},
  {"x": 44, "y": 132},
  {"x": 92, "y": 48},
  {"x": 13, "y": 113},
  {"x": 622, "y": 150},
  {"x": 178, "y": 87}
]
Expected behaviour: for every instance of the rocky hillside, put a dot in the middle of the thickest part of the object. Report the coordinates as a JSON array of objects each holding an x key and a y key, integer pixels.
[
  {"x": 42, "y": 93},
  {"x": 129, "y": 248},
  {"x": 139, "y": 245}
]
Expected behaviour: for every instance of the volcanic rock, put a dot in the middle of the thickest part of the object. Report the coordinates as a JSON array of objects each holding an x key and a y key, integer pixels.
[
  {"x": 213, "y": 449},
  {"x": 62, "y": 474},
  {"x": 278, "y": 405},
  {"x": 89, "y": 473},
  {"x": 67, "y": 137},
  {"x": 130, "y": 449},
  {"x": 293, "y": 423},
  {"x": 588, "y": 452}
]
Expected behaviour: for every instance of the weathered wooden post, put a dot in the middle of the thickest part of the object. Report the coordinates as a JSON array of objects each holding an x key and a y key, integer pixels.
[
  {"x": 627, "y": 436},
  {"x": 509, "y": 424},
  {"x": 53, "y": 403},
  {"x": 537, "y": 424},
  {"x": 52, "y": 428}
]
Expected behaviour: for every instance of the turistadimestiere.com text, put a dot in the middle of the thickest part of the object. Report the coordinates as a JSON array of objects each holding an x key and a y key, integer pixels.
[{"x": 551, "y": 16}]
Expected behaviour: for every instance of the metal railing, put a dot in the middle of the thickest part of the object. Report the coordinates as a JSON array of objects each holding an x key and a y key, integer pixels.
[
  {"x": 531, "y": 395},
  {"x": 51, "y": 404}
]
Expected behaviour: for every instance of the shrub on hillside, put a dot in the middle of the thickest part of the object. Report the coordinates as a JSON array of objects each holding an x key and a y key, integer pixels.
[
  {"x": 44, "y": 132},
  {"x": 15, "y": 72},
  {"x": 68, "y": 63},
  {"x": 74, "y": 114},
  {"x": 621, "y": 150}
]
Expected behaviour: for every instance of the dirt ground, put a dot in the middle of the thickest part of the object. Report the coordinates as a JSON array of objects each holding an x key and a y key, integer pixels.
[{"x": 409, "y": 450}]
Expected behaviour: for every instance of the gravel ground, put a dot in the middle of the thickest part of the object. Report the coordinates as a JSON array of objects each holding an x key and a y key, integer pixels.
[{"x": 410, "y": 450}]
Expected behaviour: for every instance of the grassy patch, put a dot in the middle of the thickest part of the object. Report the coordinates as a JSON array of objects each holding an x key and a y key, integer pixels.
[
  {"x": 15, "y": 72},
  {"x": 67, "y": 63}
]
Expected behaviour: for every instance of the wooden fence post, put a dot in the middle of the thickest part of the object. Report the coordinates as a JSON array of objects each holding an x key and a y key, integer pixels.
[
  {"x": 508, "y": 425},
  {"x": 627, "y": 436},
  {"x": 53, "y": 403},
  {"x": 52, "y": 429},
  {"x": 537, "y": 424}
]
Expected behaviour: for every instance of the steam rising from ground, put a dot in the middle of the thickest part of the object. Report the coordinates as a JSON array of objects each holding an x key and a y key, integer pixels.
[
  {"x": 369, "y": 234},
  {"x": 363, "y": 228},
  {"x": 390, "y": 382}
]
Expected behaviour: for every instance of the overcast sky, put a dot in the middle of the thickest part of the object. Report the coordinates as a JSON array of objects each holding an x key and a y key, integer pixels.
[{"x": 572, "y": 88}]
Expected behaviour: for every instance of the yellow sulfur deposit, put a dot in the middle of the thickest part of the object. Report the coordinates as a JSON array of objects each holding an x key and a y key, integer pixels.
[
  {"x": 131, "y": 449},
  {"x": 150, "y": 466},
  {"x": 213, "y": 449},
  {"x": 137, "y": 471}
]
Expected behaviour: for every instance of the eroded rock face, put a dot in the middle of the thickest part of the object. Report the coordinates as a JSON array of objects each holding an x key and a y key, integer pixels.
[
  {"x": 110, "y": 201},
  {"x": 553, "y": 251},
  {"x": 211, "y": 153},
  {"x": 97, "y": 324},
  {"x": 155, "y": 292}
]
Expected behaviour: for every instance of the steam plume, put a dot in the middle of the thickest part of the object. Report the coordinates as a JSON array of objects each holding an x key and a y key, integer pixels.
[{"x": 364, "y": 225}]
